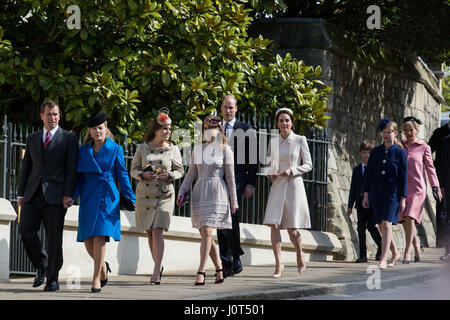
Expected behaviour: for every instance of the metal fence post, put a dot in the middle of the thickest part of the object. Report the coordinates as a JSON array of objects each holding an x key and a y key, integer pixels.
[{"x": 4, "y": 142}]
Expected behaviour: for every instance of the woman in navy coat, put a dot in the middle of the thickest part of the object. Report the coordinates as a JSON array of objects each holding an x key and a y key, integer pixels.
[
  {"x": 100, "y": 163},
  {"x": 386, "y": 178}
]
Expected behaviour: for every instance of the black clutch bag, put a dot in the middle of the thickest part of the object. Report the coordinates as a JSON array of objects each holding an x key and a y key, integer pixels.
[
  {"x": 435, "y": 195},
  {"x": 126, "y": 204},
  {"x": 148, "y": 168}
]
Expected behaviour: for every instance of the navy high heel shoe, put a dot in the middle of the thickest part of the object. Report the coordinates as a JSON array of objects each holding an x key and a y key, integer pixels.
[{"x": 105, "y": 282}]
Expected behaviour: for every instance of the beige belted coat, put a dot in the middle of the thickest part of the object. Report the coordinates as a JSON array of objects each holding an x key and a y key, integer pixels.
[
  {"x": 287, "y": 205},
  {"x": 155, "y": 199}
]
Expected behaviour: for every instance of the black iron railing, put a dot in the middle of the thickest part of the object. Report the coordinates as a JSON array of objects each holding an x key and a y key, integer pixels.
[{"x": 12, "y": 146}]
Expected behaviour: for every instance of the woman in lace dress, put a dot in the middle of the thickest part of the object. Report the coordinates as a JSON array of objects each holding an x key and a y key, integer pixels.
[{"x": 213, "y": 201}]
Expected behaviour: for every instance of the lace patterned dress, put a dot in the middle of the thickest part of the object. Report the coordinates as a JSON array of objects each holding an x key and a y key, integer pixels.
[{"x": 211, "y": 196}]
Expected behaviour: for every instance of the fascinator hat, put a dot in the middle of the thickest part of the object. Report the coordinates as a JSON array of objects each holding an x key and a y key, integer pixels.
[
  {"x": 212, "y": 120},
  {"x": 96, "y": 120},
  {"x": 383, "y": 123},
  {"x": 412, "y": 119},
  {"x": 286, "y": 110},
  {"x": 163, "y": 117}
]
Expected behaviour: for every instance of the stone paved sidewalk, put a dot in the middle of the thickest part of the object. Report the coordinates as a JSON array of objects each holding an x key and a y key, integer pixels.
[{"x": 255, "y": 282}]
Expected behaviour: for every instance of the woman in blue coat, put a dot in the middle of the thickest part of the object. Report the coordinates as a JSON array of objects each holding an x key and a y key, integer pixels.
[
  {"x": 386, "y": 178},
  {"x": 100, "y": 163}
]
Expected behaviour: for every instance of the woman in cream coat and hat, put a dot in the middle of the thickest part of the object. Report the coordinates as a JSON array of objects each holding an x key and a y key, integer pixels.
[
  {"x": 287, "y": 206},
  {"x": 156, "y": 164}
]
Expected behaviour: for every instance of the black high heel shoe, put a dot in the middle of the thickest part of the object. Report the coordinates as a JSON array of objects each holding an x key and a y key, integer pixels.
[
  {"x": 220, "y": 280},
  {"x": 197, "y": 283},
  {"x": 416, "y": 259},
  {"x": 160, "y": 276},
  {"x": 105, "y": 282},
  {"x": 96, "y": 290}
]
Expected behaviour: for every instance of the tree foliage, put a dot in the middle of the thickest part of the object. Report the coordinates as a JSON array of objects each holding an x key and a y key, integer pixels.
[
  {"x": 130, "y": 58},
  {"x": 410, "y": 26},
  {"x": 446, "y": 89}
]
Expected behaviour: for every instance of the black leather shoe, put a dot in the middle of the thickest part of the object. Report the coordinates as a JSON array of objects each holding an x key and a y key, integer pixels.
[
  {"x": 228, "y": 272},
  {"x": 361, "y": 260},
  {"x": 416, "y": 259},
  {"x": 52, "y": 286},
  {"x": 40, "y": 277},
  {"x": 96, "y": 290},
  {"x": 378, "y": 255},
  {"x": 237, "y": 266}
]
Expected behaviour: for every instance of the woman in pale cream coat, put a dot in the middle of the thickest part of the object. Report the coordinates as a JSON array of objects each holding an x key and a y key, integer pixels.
[
  {"x": 287, "y": 206},
  {"x": 156, "y": 164}
]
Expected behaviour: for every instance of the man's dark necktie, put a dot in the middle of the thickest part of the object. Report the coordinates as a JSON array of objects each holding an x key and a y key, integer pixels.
[{"x": 48, "y": 138}]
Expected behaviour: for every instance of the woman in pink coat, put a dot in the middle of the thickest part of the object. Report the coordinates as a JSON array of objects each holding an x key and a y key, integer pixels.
[{"x": 419, "y": 161}]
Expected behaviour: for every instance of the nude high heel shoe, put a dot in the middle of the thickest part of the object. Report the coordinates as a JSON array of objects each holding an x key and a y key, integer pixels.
[
  {"x": 280, "y": 271},
  {"x": 301, "y": 269},
  {"x": 394, "y": 260}
]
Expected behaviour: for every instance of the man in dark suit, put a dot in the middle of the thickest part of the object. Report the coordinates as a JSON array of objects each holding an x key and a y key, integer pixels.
[
  {"x": 239, "y": 139},
  {"x": 444, "y": 163},
  {"x": 46, "y": 186},
  {"x": 435, "y": 143},
  {"x": 366, "y": 219}
]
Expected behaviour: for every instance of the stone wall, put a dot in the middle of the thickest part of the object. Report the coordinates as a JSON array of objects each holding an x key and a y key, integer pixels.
[
  {"x": 364, "y": 91},
  {"x": 362, "y": 96}
]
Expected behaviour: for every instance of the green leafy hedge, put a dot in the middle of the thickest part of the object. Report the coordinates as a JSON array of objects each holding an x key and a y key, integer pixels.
[{"x": 131, "y": 58}]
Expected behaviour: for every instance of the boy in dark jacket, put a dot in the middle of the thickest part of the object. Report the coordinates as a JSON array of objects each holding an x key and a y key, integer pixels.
[{"x": 366, "y": 219}]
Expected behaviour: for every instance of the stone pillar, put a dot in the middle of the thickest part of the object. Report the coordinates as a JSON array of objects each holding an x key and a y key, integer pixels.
[{"x": 7, "y": 214}]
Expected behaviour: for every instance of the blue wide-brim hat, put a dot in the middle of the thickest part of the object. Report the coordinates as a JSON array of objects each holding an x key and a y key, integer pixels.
[{"x": 383, "y": 122}]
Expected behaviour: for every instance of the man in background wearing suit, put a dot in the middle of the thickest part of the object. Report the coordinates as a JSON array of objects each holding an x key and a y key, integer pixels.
[
  {"x": 366, "y": 220},
  {"x": 46, "y": 186},
  {"x": 436, "y": 144},
  {"x": 444, "y": 182},
  {"x": 245, "y": 177}
]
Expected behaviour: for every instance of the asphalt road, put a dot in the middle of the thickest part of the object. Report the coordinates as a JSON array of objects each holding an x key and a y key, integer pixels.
[{"x": 432, "y": 289}]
